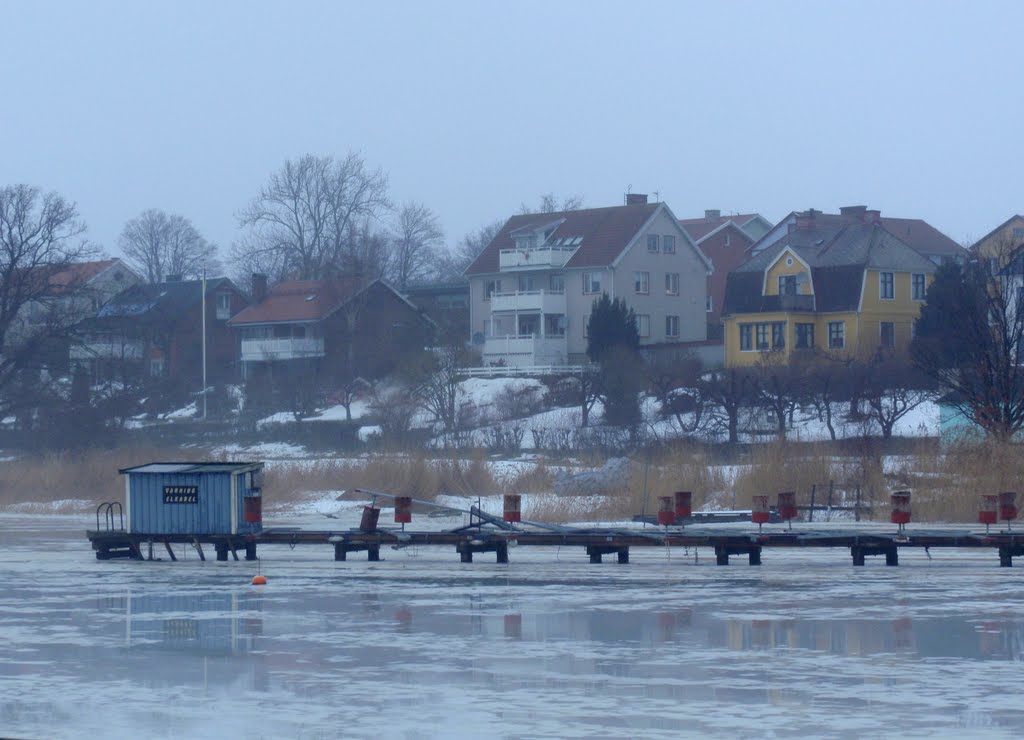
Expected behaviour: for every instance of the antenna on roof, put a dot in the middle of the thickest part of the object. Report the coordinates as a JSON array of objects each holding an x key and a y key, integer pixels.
[
  {"x": 625, "y": 198},
  {"x": 657, "y": 196}
]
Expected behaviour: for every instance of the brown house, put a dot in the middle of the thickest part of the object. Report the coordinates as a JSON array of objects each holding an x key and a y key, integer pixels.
[
  {"x": 328, "y": 331},
  {"x": 156, "y": 331}
]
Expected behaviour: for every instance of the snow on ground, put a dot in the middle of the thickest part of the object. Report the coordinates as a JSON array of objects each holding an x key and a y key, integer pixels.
[{"x": 263, "y": 451}]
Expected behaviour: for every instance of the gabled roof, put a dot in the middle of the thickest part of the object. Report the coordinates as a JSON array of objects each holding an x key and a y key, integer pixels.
[
  {"x": 698, "y": 228},
  {"x": 996, "y": 230},
  {"x": 157, "y": 302},
  {"x": 603, "y": 234},
  {"x": 837, "y": 256}
]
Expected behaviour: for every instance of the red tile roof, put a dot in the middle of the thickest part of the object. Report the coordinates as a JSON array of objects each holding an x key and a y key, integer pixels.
[
  {"x": 605, "y": 233},
  {"x": 300, "y": 300},
  {"x": 76, "y": 275},
  {"x": 698, "y": 228}
]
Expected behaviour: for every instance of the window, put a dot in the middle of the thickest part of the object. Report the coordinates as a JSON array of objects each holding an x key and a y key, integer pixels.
[
  {"x": 591, "y": 282},
  {"x": 709, "y": 303},
  {"x": 223, "y": 305},
  {"x": 746, "y": 337},
  {"x": 525, "y": 283},
  {"x": 805, "y": 336},
  {"x": 671, "y": 283},
  {"x": 643, "y": 325},
  {"x": 761, "y": 334},
  {"x": 728, "y": 239},
  {"x": 491, "y": 287},
  {"x": 886, "y": 286},
  {"x": 671, "y": 326},
  {"x": 887, "y": 334},
  {"x": 156, "y": 367},
  {"x": 836, "y": 334},
  {"x": 778, "y": 335},
  {"x": 1018, "y": 233},
  {"x": 642, "y": 282},
  {"x": 557, "y": 283},
  {"x": 787, "y": 284},
  {"x": 917, "y": 289},
  {"x": 668, "y": 244},
  {"x": 652, "y": 242}
]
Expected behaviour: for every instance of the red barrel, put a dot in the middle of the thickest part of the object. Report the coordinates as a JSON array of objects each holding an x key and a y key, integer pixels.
[
  {"x": 900, "y": 511},
  {"x": 369, "y": 521},
  {"x": 403, "y": 509},
  {"x": 253, "y": 509},
  {"x": 513, "y": 504},
  {"x": 987, "y": 514},
  {"x": 684, "y": 504},
  {"x": 759, "y": 509},
  {"x": 787, "y": 506},
  {"x": 667, "y": 512},
  {"x": 1008, "y": 506}
]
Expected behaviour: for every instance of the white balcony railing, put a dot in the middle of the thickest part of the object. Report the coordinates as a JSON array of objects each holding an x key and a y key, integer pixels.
[
  {"x": 523, "y": 259},
  {"x": 291, "y": 348},
  {"x": 525, "y": 350},
  {"x": 544, "y": 301},
  {"x": 107, "y": 349}
]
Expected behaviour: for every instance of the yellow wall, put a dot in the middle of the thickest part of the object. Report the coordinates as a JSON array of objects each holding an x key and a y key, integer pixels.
[
  {"x": 1001, "y": 242},
  {"x": 779, "y": 269},
  {"x": 862, "y": 329}
]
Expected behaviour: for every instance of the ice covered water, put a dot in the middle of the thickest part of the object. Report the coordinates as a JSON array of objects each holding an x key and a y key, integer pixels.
[{"x": 549, "y": 645}]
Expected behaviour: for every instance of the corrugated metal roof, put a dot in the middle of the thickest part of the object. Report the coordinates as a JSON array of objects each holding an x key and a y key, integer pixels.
[{"x": 190, "y": 467}]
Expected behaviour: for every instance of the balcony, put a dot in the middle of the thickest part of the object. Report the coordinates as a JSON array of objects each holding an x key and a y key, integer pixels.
[
  {"x": 525, "y": 350},
  {"x": 290, "y": 348},
  {"x": 544, "y": 301},
  {"x": 532, "y": 259},
  {"x": 791, "y": 302},
  {"x": 107, "y": 348}
]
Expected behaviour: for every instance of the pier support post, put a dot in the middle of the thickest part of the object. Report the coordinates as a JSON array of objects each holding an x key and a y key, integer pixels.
[
  {"x": 1005, "y": 557},
  {"x": 624, "y": 556},
  {"x": 222, "y": 552},
  {"x": 250, "y": 551},
  {"x": 857, "y": 552},
  {"x": 501, "y": 550},
  {"x": 373, "y": 553},
  {"x": 340, "y": 553},
  {"x": 721, "y": 555},
  {"x": 754, "y": 556},
  {"x": 466, "y": 555},
  {"x": 170, "y": 551},
  {"x": 892, "y": 556}
]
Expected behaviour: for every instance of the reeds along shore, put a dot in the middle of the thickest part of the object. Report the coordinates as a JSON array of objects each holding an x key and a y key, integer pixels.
[{"x": 946, "y": 485}]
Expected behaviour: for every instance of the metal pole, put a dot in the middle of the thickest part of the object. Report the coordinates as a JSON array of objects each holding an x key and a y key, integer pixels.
[{"x": 204, "y": 342}]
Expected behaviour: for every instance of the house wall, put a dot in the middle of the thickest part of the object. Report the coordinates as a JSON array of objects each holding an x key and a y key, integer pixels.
[
  {"x": 184, "y": 347},
  {"x": 1002, "y": 241},
  {"x": 781, "y": 269},
  {"x": 724, "y": 259},
  {"x": 689, "y": 305}
]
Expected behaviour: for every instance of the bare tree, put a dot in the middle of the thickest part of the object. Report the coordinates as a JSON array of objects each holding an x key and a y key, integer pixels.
[
  {"x": 301, "y": 222},
  {"x": 416, "y": 240},
  {"x": 893, "y": 389},
  {"x": 674, "y": 381},
  {"x": 452, "y": 263},
  {"x": 550, "y": 203},
  {"x": 40, "y": 238},
  {"x": 827, "y": 379},
  {"x": 779, "y": 386},
  {"x": 728, "y": 392},
  {"x": 439, "y": 390},
  {"x": 159, "y": 244}
]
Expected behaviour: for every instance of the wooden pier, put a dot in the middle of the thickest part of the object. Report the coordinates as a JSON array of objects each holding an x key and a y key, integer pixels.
[{"x": 485, "y": 537}]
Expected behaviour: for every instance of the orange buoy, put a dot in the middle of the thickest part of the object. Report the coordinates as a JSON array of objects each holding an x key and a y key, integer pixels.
[{"x": 259, "y": 580}]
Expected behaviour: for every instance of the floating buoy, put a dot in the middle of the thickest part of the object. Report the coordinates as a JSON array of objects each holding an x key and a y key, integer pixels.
[{"x": 259, "y": 580}]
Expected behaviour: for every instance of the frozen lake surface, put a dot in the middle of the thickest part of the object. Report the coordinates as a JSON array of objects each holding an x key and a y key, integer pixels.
[{"x": 421, "y": 645}]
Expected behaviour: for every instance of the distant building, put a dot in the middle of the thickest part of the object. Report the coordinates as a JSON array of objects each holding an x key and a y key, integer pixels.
[
  {"x": 847, "y": 288},
  {"x": 532, "y": 287},
  {"x": 917, "y": 234},
  {"x": 725, "y": 240},
  {"x": 1002, "y": 244},
  {"x": 447, "y": 305}
]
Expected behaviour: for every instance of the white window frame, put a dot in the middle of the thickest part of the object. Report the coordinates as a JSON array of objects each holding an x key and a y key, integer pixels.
[
  {"x": 842, "y": 335},
  {"x": 881, "y": 286},
  {"x": 668, "y": 244},
  {"x": 491, "y": 287},
  {"x": 670, "y": 321},
  {"x": 671, "y": 283},
  {"x": 653, "y": 243},
  {"x": 643, "y": 325},
  {"x": 588, "y": 283},
  {"x": 642, "y": 282},
  {"x": 916, "y": 277},
  {"x": 747, "y": 329}
]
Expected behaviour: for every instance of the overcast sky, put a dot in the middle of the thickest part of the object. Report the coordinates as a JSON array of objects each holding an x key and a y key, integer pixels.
[{"x": 914, "y": 108}]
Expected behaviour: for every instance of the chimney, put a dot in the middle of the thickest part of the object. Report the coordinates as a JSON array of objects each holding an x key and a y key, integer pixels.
[
  {"x": 806, "y": 220},
  {"x": 873, "y": 217},
  {"x": 636, "y": 199},
  {"x": 853, "y": 213},
  {"x": 710, "y": 213},
  {"x": 259, "y": 287},
  {"x": 173, "y": 279}
]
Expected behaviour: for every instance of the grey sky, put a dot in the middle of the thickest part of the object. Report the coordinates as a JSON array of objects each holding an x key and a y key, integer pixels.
[{"x": 475, "y": 107}]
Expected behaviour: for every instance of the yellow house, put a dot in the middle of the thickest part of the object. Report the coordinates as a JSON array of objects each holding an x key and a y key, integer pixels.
[
  {"x": 846, "y": 289},
  {"x": 1001, "y": 244}
]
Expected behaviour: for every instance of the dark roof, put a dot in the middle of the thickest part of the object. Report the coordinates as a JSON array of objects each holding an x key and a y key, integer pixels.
[
  {"x": 300, "y": 300},
  {"x": 603, "y": 234},
  {"x": 157, "y": 302},
  {"x": 190, "y": 467},
  {"x": 837, "y": 256},
  {"x": 698, "y": 228},
  {"x": 923, "y": 237}
]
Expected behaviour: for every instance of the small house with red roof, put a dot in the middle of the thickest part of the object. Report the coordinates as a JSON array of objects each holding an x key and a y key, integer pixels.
[
  {"x": 533, "y": 286},
  {"x": 331, "y": 330}
]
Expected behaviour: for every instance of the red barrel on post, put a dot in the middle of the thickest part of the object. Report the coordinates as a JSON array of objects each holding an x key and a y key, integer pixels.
[
  {"x": 513, "y": 507},
  {"x": 667, "y": 511},
  {"x": 403, "y": 509},
  {"x": 684, "y": 504},
  {"x": 1008, "y": 506},
  {"x": 253, "y": 509},
  {"x": 787, "y": 506},
  {"x": 988, "y": 512},
  {"x": 759, "y": 513},
  {"x": 900, "y": 508}
]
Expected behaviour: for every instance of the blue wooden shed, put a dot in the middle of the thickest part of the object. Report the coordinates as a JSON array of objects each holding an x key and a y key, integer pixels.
[{"x": 194, "y": 498}]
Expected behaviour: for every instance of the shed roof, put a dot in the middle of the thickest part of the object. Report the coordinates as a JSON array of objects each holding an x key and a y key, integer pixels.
[{"x": 191, "y": 467}]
